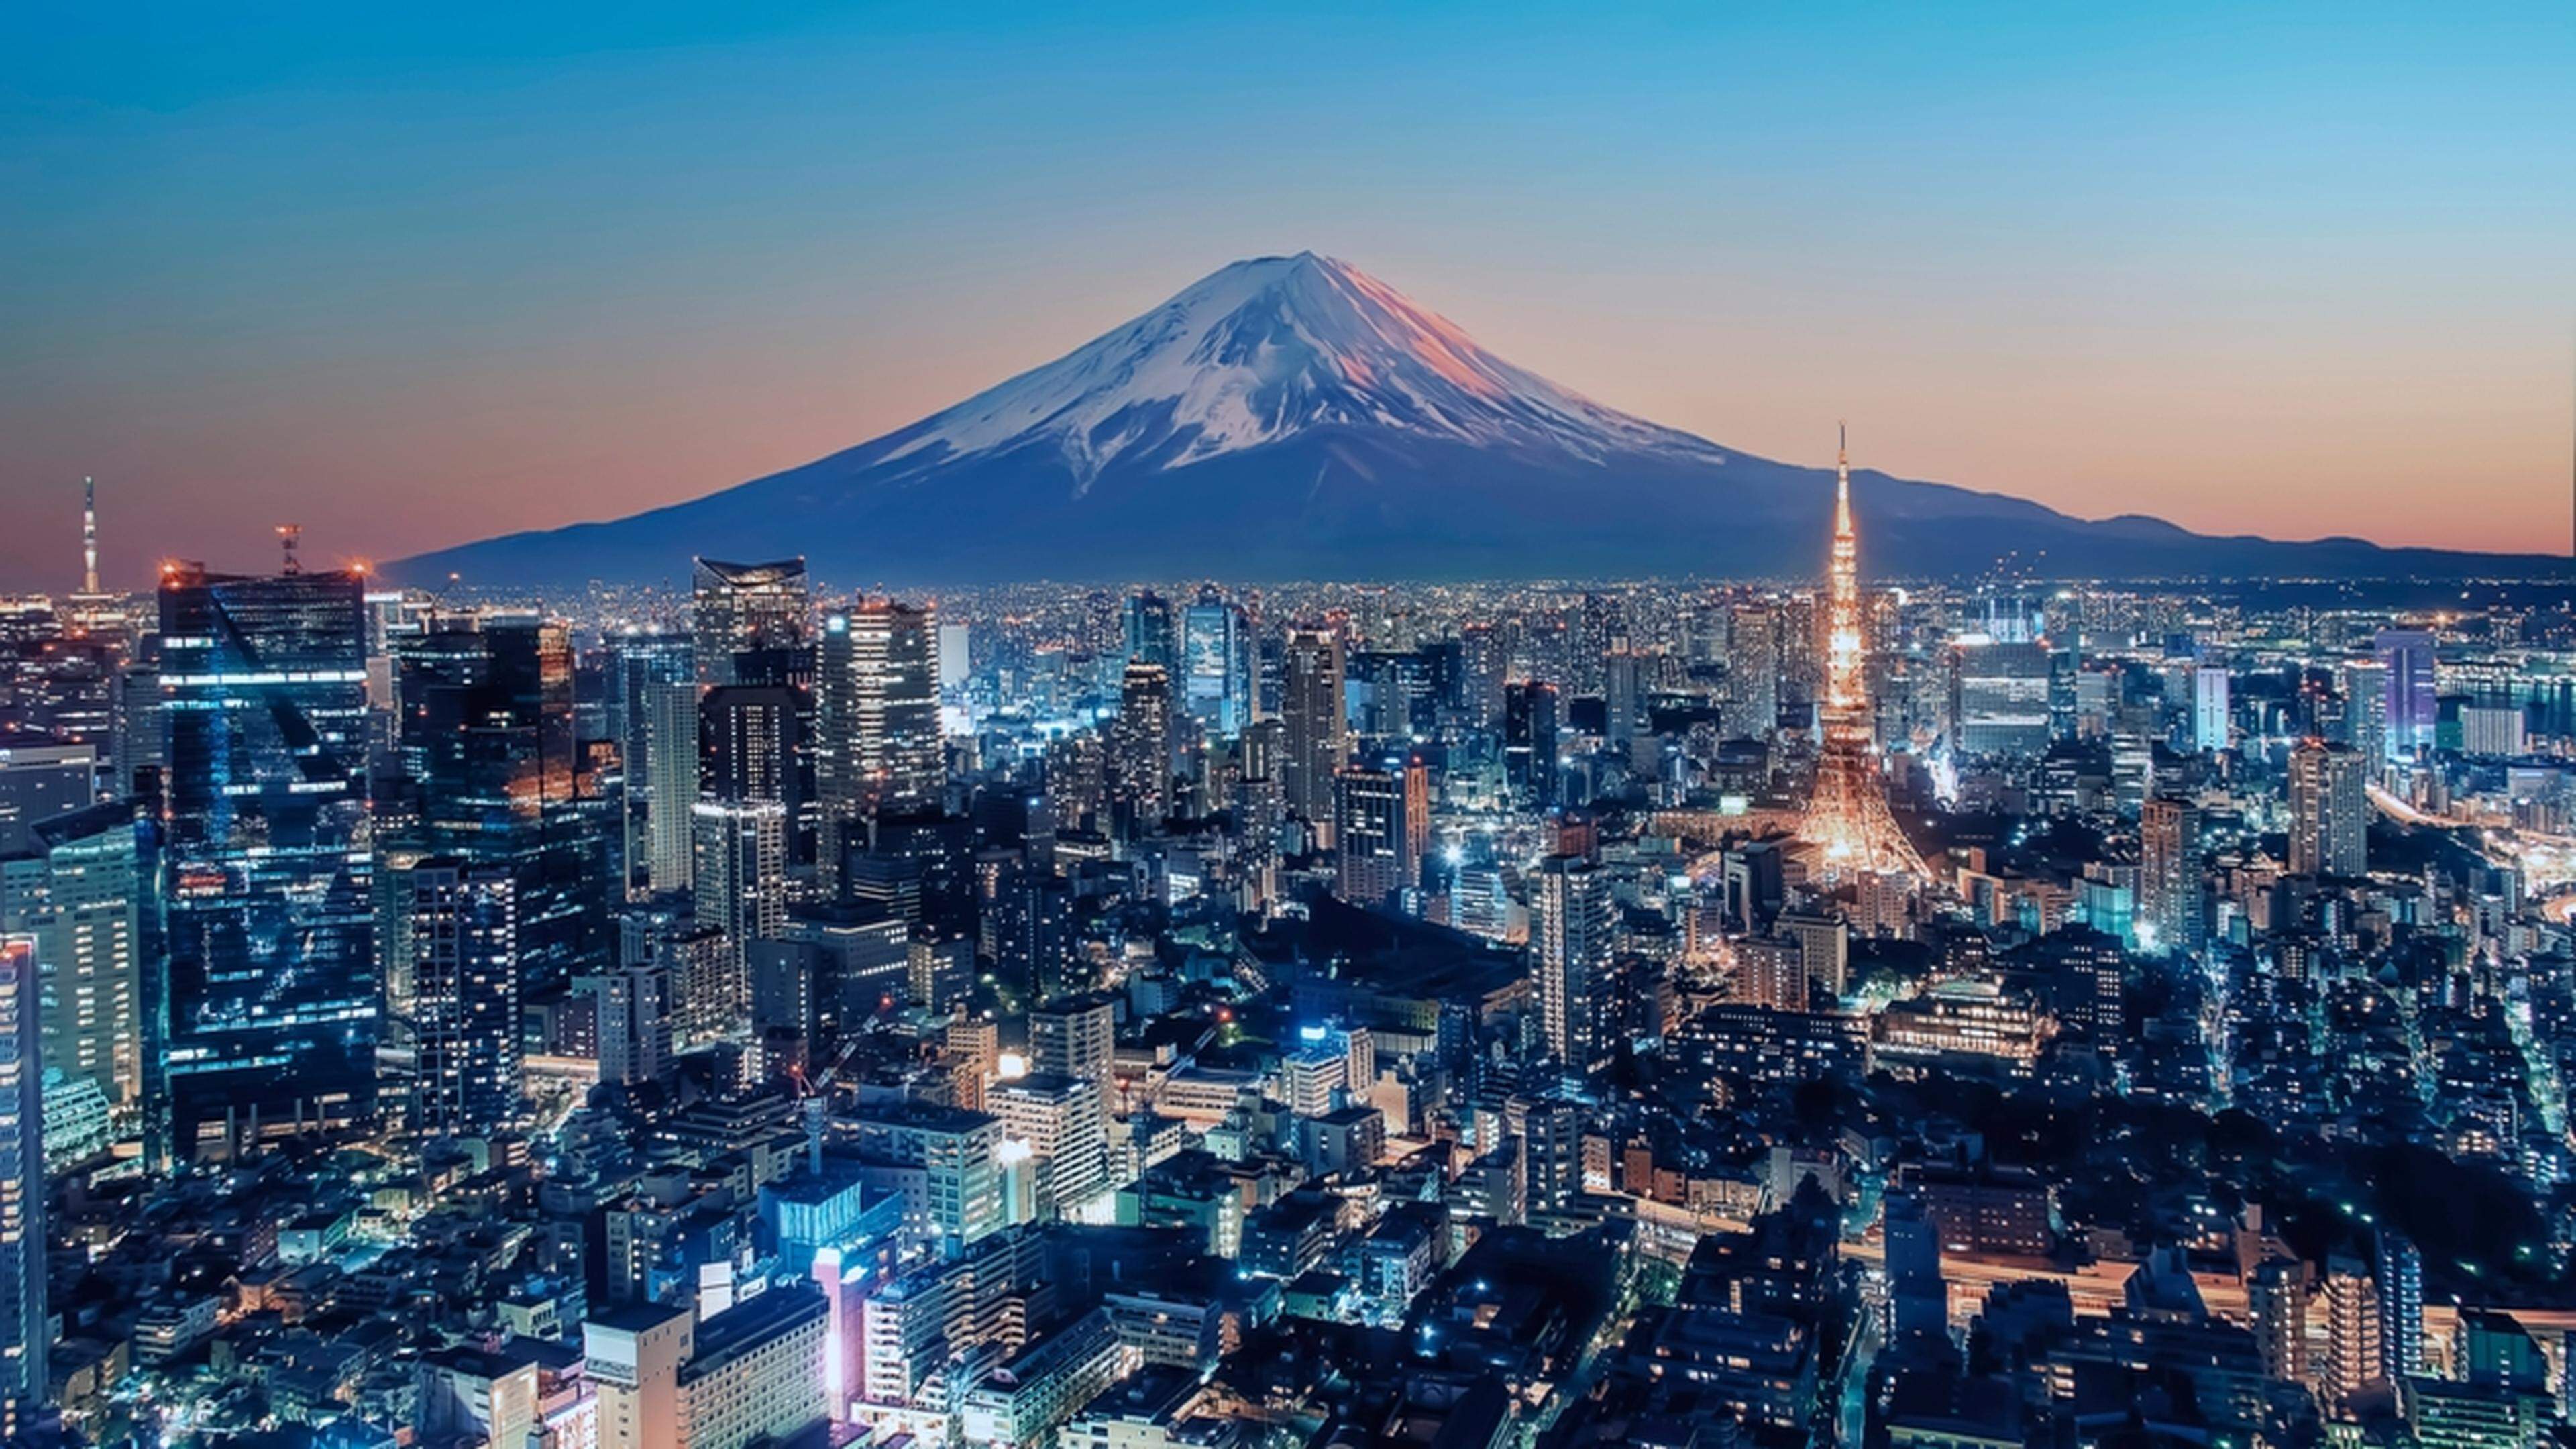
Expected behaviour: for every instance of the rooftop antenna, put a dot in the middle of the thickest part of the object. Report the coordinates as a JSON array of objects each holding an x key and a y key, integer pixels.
[
  {"x": 287, "y": 536},
  {"x": 89, "y": 536}
]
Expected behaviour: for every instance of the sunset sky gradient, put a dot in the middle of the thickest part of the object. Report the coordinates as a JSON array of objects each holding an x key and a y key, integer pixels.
[{"x": 412, "y": 279}]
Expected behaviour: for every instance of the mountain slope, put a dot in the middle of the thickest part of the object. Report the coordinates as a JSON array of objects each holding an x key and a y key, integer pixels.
[{"x": 1292, "y": 417}]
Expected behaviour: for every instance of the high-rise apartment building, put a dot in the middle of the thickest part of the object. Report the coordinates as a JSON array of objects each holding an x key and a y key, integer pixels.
[
  {"x": 1317, "y": 726},
  {"x": 1751, "y": 709},
  {"x": 2169, "y": 889},
  {"x": 1140, "y": 749},
  {"x": 464, "y": 936},
  {"x": 2364, "y": 686},
  {"x": 1770, "y": 971},
  {"x": 1571, "y": 920},
  {"x": 2354, "y": 1354},
  {"x": 1600, "y": 625},
  {"x": 741, "y": 892},
  {"x": 748, "y": 735},
  {"x": 2329, "y": 812},
  {"x": 2400, "y": 1275},
  {"x": 743, "y": 824}
]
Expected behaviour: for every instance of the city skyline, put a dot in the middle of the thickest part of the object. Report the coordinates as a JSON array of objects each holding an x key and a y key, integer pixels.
[
  {"x": 1139, "y": 727},
  {"x": 410, "y": 286},
  {"x": 682, "y": 1019}
]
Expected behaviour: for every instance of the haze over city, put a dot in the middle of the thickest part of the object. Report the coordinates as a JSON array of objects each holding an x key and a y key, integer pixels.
[{"x": 414, "y": 281}]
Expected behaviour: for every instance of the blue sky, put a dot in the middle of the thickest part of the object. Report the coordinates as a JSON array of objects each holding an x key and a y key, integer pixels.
[{"x": 414, "y": 278}]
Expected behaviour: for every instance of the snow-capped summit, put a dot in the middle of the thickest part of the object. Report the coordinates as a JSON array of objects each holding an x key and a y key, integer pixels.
[
  {"x": 1264, "y": 349},
  {"x": 1292, "y": 417}
]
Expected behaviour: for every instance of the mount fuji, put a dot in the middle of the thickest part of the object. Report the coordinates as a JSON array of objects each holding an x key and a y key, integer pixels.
[{"x": 1295, "y": 418}]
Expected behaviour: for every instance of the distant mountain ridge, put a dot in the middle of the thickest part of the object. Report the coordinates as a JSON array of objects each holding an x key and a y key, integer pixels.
[{"x": 1292, "y": 417}]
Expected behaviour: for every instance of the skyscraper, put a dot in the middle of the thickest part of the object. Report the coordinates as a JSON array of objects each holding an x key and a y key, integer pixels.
[
  {"x": 1530, "y": 719},
  {"x": 1570, "y": 930},
  {"x": 2172, "y": 919},
  {"x": 1414, "y": 841},
  {"x": 877, "y": 741},
  {"x": 747, "y": 742},
  {"x": 2412, "y": 709},
  {"x": 1368, "y": 835},
  {"x": 1146, "y": 628},
  {"x": 2329, "y": 813},
  {"x": 1600, "y": 626},
  {"x": 742, "y": 825},
  {"x": 497, "y": 776},
  {"x": 1318, "y": 729},
  {"x": 79, "y": 894},
  {"x": 272, "y": 991},
  {"x": 1216, "y": 665},
  {"x": 1752, "y": 705},
  {"x": 2364, "y": 686},
  {"x": 741, "y": 891},
  {"x": 1140, "y": 749},
  {"x": 465, "y": 993},
  {"x": 2209, "y": 708},
  {"x": 738, "y": 608},
  {"x": 655, "y": 683},
  {"x": 24, "y": 1334}
]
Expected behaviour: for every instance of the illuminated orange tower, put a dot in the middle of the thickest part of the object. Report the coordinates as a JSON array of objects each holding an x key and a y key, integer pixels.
[{"x": 1847, "y": 816}]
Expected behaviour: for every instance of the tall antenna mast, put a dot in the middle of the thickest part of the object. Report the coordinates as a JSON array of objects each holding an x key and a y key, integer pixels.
[
  {"x": 89, "y": 535},
  {"x": 287, "y": 535}
]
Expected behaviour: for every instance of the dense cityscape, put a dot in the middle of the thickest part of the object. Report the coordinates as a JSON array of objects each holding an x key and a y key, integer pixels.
[{"x": 1682, "y": 1013}]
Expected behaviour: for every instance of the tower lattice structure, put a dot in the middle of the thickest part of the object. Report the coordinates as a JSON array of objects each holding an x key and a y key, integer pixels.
[{"x": 1847, "y": 815}]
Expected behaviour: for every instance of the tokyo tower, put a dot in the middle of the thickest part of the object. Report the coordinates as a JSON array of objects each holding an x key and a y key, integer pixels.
[{"x": 1847, "y": 817}]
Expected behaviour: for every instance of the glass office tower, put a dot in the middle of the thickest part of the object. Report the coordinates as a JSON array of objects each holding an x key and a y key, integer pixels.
[{"x": 272, "y": 1001}]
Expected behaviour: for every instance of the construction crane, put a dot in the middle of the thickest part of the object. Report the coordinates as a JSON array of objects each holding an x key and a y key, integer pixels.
[{"x": 817, "y": 1095}]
